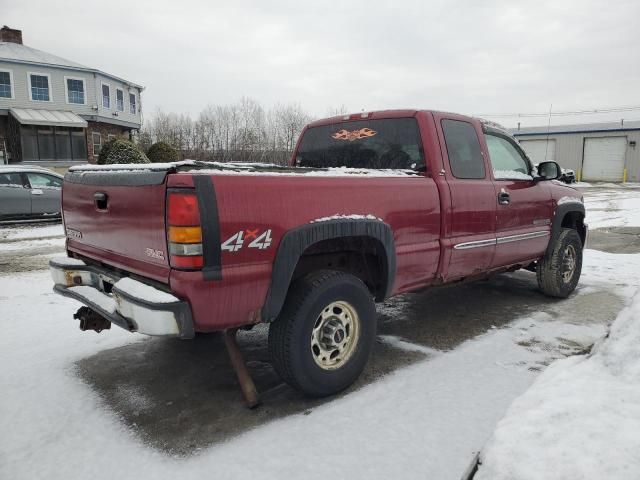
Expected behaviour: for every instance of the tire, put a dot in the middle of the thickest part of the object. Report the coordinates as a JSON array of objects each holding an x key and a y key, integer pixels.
[
  {"x": 325, "y": 312},
  {"x": 555, "y": 276}
]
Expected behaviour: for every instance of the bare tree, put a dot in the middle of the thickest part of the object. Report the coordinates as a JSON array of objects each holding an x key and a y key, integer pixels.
[{"x": 243, "y": 131}]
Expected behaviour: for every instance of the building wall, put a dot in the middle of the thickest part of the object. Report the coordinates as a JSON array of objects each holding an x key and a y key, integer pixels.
[
  {"x": 57, "y": 89},
  {"x": 104, "y": 129},
  {"x": 58, "y": 92},
  {"x": 570, "y": 149},
  {"x": 3, "y": 139},
  {"x": 108, "y": 114}
]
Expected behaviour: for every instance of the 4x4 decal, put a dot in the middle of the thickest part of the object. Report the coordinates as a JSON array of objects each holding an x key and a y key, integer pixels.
[{"x": 236, "y": 241}]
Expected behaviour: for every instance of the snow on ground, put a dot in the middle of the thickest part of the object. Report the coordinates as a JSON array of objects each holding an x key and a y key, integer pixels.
[
  {"x": 28, "y": 244},
  {"x": 426, "y": 420},
  {"x": 619, "y": 207},
  {"x": 580, "y": 419},
  {"x": 26, "y": 232},
  {"x": 423, "y": 421}
]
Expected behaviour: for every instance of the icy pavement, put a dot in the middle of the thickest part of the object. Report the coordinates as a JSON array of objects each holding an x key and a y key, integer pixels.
[
  {"x": 444, "y": 372},
  {"x": 612, "y": 207},
  {"x": 29, "y": 247}
]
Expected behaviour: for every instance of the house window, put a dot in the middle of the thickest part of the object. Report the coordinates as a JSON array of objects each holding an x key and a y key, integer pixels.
[
  {"x": 120, "y": 100},
  {"x": 110, "y": 137},
  {"x": 39, "y": 87},
  {"x": 132, "y": 103},
  {"x": 75, "y": 90},
  {"x": 97, "y": 142},
  {"x": 6, "y": 84},
  {"x": 106, "y": 96}
]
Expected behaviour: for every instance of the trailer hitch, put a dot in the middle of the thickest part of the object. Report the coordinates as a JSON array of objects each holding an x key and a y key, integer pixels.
[
  {"x": 244, "y": 378},
  {"x": 91, "y": 320}
]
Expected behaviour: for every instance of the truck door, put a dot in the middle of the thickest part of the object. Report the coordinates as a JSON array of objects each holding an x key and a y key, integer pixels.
[
  {"x": 469, "y": 234},
  {"x": 523, "y": 205}
]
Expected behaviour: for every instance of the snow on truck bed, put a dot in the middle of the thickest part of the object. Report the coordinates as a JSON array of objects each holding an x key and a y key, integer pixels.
[
  {"x": 242, "y": 168},
  {"x": 580, "y": 419}
]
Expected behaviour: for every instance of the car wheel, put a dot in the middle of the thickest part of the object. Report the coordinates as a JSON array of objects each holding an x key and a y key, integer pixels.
[
  {"x": 558, "y": 272},
  {"x": 321, "y": 341}
]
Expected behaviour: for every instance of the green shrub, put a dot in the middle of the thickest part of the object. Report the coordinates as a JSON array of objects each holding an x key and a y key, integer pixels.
[
  {"x": 104, "y": 151},
  {"x": 162, "y": 152},
  {"x": 121, "y": 151}
]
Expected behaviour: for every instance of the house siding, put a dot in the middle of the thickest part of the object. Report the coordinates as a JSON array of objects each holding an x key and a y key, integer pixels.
[
  {"x": 105, "y": 114},
  {"x": 58, "y": 93},
  {"x": 57, "y": 90}
]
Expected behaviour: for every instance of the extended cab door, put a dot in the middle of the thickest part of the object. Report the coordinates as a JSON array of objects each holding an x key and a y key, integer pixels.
[
  {"x": 523, "y": 205},
  {"x": 469, "y": 231}
]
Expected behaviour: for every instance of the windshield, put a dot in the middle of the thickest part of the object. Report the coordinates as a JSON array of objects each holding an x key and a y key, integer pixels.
[{"x": 385, "y": 143}]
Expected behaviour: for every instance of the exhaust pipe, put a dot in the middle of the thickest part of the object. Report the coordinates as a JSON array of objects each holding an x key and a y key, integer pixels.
[{"x": 91, "y": 320}]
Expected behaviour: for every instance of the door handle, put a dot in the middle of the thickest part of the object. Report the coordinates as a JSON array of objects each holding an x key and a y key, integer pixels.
[
  {"x": 36, "y": 191},
  {"x": 503, "y": 197},
  {"x": 100, "y": 200}
]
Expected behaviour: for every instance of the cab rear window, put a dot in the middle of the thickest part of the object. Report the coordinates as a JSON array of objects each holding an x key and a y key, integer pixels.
[{"x": 385, "y": 143}]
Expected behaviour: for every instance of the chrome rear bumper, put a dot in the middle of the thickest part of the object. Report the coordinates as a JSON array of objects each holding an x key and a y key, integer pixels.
[{"x": 128, "y": 303}]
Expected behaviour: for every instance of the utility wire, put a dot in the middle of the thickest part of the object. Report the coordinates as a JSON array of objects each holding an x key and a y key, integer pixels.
[{"x": 562, "y": 114}]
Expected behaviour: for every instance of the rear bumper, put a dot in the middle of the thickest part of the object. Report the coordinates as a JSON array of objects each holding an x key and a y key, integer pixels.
[{"x": 143, "y": 309}]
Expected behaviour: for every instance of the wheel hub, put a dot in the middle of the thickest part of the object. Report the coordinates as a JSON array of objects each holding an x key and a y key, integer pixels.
[
  {"x": 569, "y": 263},
  {"x": 335, "y": 335}
]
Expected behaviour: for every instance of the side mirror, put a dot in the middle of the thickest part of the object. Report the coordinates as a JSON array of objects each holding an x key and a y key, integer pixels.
[{"x": 549, "y": 171}]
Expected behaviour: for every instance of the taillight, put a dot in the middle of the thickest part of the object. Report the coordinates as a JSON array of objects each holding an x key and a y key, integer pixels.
[{"x": 184, "y": 231}]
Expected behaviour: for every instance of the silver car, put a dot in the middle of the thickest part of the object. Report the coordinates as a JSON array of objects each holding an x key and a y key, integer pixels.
[{"x": 29, "y": 192}]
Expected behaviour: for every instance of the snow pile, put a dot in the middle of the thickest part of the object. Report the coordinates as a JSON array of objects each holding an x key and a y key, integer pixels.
[
  {"x": 339, "y": 216},
  {"x": 104, "y": 301},
  {"x": 31, "y": 232},
  {"x": 580, "y": 419},
  {"x": 130, "y": 166},
  {"x": 564, "y": 200},
  {"x": 68, "y": 262},
  {"x": 301, "y": 171},
  {"x": 511, "y": 175}
]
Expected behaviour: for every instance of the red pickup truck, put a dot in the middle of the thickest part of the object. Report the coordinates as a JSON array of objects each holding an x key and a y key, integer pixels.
[{"x": 373, "y": 205}]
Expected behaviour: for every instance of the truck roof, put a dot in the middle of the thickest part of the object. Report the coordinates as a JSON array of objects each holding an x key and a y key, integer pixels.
[{"x": 375, "y": 114}]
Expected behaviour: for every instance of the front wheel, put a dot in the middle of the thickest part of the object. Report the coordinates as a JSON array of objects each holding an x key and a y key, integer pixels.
[
  {"x": 321, "y": 341},
  {"x": 559, "y": 272}
]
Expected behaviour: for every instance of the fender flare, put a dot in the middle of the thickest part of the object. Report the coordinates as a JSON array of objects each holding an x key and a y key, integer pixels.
[
  {"x": 295, "y": 241},
  {"x": 556, "y": 225}
]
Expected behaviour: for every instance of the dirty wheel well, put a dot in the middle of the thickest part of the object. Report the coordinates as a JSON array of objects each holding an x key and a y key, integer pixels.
[
  {"x": 575, "y": 221},
  {"x": 361, "y": 256}
]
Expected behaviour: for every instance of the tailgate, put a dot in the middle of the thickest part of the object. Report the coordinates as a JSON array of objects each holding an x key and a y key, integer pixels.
[{"x": 118, "y": 218}]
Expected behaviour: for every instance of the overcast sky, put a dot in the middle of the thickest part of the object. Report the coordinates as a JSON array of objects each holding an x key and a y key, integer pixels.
[{"x": 476, "y": 57}]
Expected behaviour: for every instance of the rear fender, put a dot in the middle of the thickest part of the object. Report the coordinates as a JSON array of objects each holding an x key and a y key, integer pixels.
[{"x": 297, "y": 240}]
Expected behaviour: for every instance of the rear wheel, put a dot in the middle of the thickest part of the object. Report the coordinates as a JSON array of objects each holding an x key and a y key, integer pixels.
[
  {"x": 321, "y": 341},
  {"x": 558, "y": 273}
]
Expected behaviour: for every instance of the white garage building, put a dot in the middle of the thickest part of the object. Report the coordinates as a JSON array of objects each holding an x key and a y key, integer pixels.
[{"x": 598, "y": 152}]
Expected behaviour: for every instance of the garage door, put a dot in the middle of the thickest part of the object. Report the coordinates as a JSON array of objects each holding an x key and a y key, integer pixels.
[
  {"x": 538, "y": 150},
  {"x": 604, "y": 159}
]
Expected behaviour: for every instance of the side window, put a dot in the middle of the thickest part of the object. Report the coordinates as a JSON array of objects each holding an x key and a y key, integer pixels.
[
  {"x": 11, "y": 180},
  {"x": 38, "y": 180},
  {"x": 506, "y": 160},
  {"x": 97, "y": 142},
  {"x": 463, "y": 148}
]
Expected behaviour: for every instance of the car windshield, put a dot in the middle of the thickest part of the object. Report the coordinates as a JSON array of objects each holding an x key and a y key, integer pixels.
[{"x": 386, "y": 143}]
